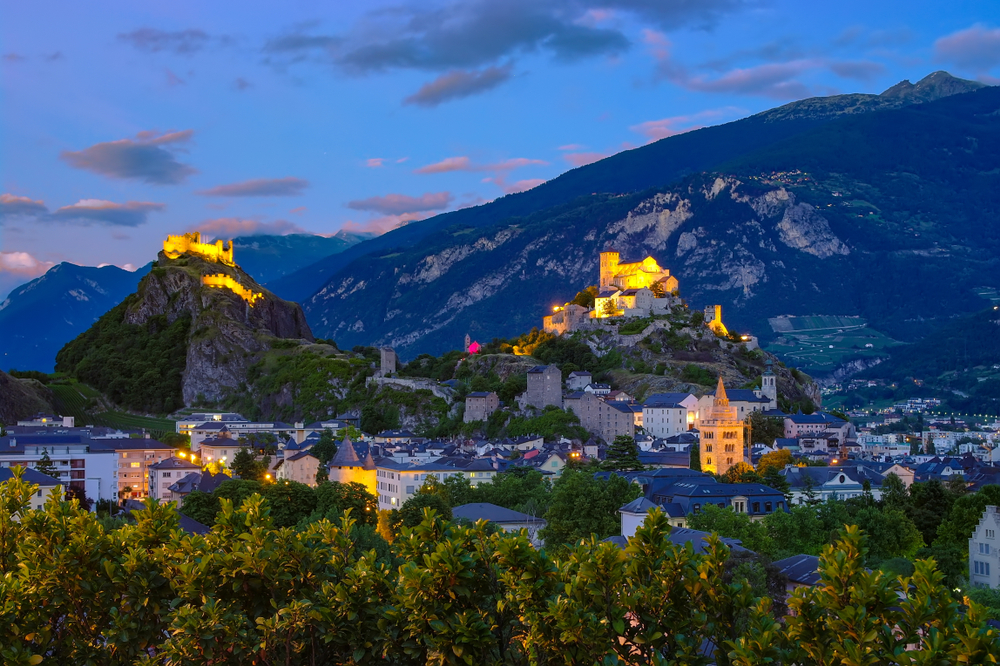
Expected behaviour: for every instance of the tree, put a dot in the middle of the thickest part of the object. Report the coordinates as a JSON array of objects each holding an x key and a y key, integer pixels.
[
  {"x": 246, "y": 466},
  {"x": 201, "y": 506},
  {"x": 957, "y": 485},
  {"x": 890, "y": 533},
  {"x": 412, "y": 511},
  {"x": 289, "y": 502},
  {"x": 727, "y": 523},
  {"x": 776, "y": 460},
  {"x": 896, "y": 496},
  {"x": 608, "y": 308},
  {"x": 80, "y": 495},
  {"x": 930, "y": 503},
  {"x": 741, "y": 472},
  {"x": 45, "y": 466},
  {"x": 322, "y": 475},
  {"x": 334, "y": 499},
  {"x": 458, "y": 490},
  {"x": 622, "y": 455},
  {"x": 694, "y": 454},
  {"x": 765, "y": 429},
  {"x": 966, "y": 512},
  {"x": 325, "y": 449},
  {"x": 567, "y": 523},
  {"x": 795, "y": 532}
]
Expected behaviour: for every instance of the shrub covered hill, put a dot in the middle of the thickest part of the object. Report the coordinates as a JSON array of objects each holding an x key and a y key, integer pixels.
[
  {"x": 21, "y": 398},
  {"x": 845, "y": 207},
  {"x": 178, "y": 342}
]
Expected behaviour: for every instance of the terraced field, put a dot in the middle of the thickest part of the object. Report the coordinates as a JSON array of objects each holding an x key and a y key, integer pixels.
[{"x": 84, "y": 404}]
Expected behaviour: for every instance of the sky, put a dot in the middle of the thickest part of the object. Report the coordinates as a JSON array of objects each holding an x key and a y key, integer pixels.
[{"x": 121, "y": 122}]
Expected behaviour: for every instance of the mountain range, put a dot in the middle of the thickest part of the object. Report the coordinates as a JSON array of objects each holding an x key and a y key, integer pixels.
[{"x": 871, "y": 205}]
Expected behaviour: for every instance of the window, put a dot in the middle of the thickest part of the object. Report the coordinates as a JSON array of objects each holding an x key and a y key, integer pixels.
[
  {"x": 981, "y": 568},
  {"x": 984, "y": 549},
  {"x": 409, "y": 490},
  {"x": 756, "y": 507},
  {"x": 739, "y": 506},
  {"x": 135, "y": 464},
  {"x": 990, "y": 534},
  {"x": 767, "y": 507},
  {"x": 697, "y": 508},
  {"x": 166, "y": 475}
]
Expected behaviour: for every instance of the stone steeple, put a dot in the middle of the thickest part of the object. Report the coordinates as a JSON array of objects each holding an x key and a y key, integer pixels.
[{"x": 721, "y": 399}]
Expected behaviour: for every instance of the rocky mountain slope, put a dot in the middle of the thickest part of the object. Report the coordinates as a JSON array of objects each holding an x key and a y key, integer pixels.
[
  {"x": 38, "y": 318},
  {"x": 21, "y": 398},
  {"x": 268, "y": 258},
  {"x": 178, "y": 342},
  {"x": 880, "y": 215},
  {"x": 654, "y": 165}
]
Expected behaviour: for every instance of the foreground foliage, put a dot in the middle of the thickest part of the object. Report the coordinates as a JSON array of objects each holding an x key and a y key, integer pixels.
[{"x": 72, "y": 592}]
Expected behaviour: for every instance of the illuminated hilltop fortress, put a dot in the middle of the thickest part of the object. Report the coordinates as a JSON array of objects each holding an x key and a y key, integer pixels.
[
  {"x": 216, "y": 252},
  {"x": 637, "y": 289},
  {"x": 191, "y": 243}
]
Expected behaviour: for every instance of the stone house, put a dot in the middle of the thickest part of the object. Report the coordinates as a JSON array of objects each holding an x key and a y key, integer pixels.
[
  {"x": 479, "y": 405},
  {"x": 544, "y": 386}
]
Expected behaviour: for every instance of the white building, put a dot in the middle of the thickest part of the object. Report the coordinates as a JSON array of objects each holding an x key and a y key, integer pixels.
[
  {"x": 984, "y": 561},
  {"x": 669, "y": 414},
  {"x": 78, "y": 461},
  {"x": 398, "y": 482}
]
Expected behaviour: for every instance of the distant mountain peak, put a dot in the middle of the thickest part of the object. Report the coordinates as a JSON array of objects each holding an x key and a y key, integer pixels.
[{"x": 932, "y": 87}]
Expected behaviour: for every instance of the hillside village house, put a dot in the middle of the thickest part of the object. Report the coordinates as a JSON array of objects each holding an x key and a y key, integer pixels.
[
  {"x": 134, "y": 458},
  {"x": 669, "y": 414},
  {"x": 984, "y": 556},
  {"x": 479, "y": 405},
  {"x": 544, "y": 387},
  {"x": 347, "y": 467},
  {"x": 398, "y": 482},
  {"x": 825, "y": 483},
  {"x": 607, "y": 419}
]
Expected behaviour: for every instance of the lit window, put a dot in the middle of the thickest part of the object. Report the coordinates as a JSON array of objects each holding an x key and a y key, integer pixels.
[{"x": 135, "y": 464}]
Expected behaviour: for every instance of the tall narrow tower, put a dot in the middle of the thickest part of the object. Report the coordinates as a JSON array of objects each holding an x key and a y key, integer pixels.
[
  {"x": 721, "y": 435},
  {"x": 609, "y": 267},
  {"x": 769, "y": 386}
]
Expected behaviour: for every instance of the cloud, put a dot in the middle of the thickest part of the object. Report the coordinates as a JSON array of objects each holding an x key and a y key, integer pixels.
[
  {"x": 12, "y": 205},
  {"x": 259, "y": 187},
  {"x": 465, "y": 164},
  {"x": 860, "y": 70},
  {"x": 143, "y": 158},
  {"x": 384, "y": 224},
  {"x": 977, "y": 48},
  {"x": 13, "y": 57},
  {"x": 374, "y": 162},
  {"x": 572, "y": 146},
  {"x": 654, "y": 130},
  {"x": 230, "y": 227},
  {"x": 458, "y": 83},
  {"x": 129, "y": 214},
  {"x": 398, "y": 204},
  {"x": 298, "y": 210},
  {"x": 23, "y": 264},
  {"x": 242, "y": 84},
  {"x": 181, "y": 42},
  {"x": 515, "y": 187},
  {"x": 466, "y": 40},
  {"x": 55, "y": 56},
  {"x": 583, "y": 159},
  {"x": 174, "y": 80}
]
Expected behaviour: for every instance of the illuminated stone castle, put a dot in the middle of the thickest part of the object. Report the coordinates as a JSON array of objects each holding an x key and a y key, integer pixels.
[
  {"x": 191, "y": 243},
  {"x": 226, "y": 282},
  {"x": 721, "y": 435},
  {"x": 636, "y": 275}
]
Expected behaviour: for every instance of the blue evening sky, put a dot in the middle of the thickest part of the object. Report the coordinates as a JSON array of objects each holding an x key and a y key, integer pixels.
[{"x": 123, "y": 121}]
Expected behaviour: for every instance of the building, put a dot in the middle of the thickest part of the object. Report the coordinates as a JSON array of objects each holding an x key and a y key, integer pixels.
[
  {"x": 769, "y": 386},
  {"x": 479, "y": 405},
  {"x": 566, "y": 318},
  {"x": 722, "y": 443},
  {"x": 797, "y": 425},
  {"x": 166, "y": 473},
  {"x": 984, "y": 558},
  {"x": 347, "y": 467},
  {"x": 637, "y": 275},
  {"x": 78, "y": 460},
  {"x": 300, "y": 467},
  {"x": 506, "y": 519},
  {"x": 578, "y": 379},
  {"x": 48, "y": 421},
  {"x": 397, "y": 482},
  {"x": 669, "y": 414},
  {"x": 544, "y": 387},
  {"x": 602, "y": 390},
  {"x": 713, "y": 319},
  {"x": 219, "y": 450},
  {"x": 387, "y": 361},
  {"x": 605, "y": 419},
  {"x": 134, "y": 456},
  {"x": 186, "y": 423},
  {"x": 823, "y": 483},
  {"x": 46, "y": 484},
  {"x": 190, "y": 243}
]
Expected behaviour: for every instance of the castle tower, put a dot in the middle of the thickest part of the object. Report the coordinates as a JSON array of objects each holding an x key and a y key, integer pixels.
[
  {"x": 609, "y": 267},
  {"x": 769, "y": 386},
  {"x": 721, "y": 435}
]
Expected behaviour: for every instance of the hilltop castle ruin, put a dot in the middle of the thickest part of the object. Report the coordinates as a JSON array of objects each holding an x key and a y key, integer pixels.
[{"x": 216, "y": 252}]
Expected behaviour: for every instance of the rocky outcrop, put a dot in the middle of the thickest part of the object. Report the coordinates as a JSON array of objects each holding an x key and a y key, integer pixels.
[{"x": 227, "y": 334}]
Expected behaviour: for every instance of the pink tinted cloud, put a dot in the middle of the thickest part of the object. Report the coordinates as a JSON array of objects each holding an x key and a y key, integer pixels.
[
  {"x": 977, "y": 48},
  {"x": 259, "y": 187},
  {"x": 583, "y": 159},
  {"x": 515, "y": 187},
  {"x": 142, "y": 158},
  {"x": 654, "y": 130},
  {"x": 572, "y": 146},
  {"x": 128, "y": 214},
  {"x": 23, "y": 264},
  {"x": 12, "y": 205},
  {"x": 381, "y": 225},
  {"x": 298, "y": 210},
  {"x": 229, "y": 227},
  {"x": 465, "y": 164},
  {"x": 374, "y": 162},
  {"x": 401, "y": 204}
]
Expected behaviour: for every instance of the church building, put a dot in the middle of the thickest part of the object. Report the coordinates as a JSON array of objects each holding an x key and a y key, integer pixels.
[{"x": 721, "y": 435}]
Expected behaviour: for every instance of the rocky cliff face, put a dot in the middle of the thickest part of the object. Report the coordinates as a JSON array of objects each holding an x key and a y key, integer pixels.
[{"x": 227, "y": 335}]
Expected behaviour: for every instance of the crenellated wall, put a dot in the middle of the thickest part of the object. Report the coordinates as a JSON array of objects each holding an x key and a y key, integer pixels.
[
  {"x": 226, "y": 282},
  {"x": 191, "y": 243}
]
